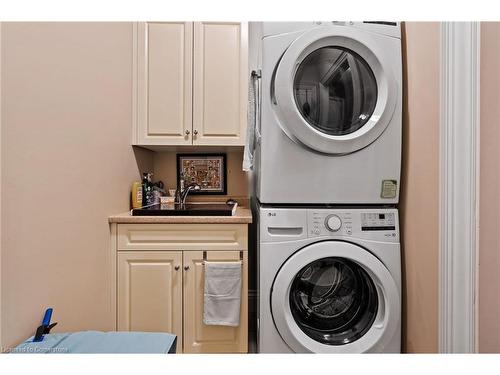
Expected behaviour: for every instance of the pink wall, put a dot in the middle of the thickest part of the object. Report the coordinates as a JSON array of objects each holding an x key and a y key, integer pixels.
[
  {"x": 420, "y": 187},
  {"x": 67, "y": 164},
  {"x": 489, "y": 241}
]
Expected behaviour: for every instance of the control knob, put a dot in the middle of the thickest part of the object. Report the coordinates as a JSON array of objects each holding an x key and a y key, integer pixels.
[{"x": 333, "y": 223}]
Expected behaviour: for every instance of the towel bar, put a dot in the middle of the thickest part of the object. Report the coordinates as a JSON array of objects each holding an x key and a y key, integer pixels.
[{"x": 205, "y": 257}]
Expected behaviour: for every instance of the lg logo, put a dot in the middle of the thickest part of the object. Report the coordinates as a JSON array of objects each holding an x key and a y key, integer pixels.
[{"x": 271, "y": 214}]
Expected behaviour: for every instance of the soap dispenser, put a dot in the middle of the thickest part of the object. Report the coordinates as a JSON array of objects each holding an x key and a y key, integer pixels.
[{"x": 147, "y": 189}]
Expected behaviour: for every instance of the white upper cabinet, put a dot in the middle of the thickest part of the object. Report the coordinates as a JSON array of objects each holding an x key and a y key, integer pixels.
[
  {"x": 220, "y": 83},
  {"x": 163, "y": 83},
  {"x": 190, "y": 83}
]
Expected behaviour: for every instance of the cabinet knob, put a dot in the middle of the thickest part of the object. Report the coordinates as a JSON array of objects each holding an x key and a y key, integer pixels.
[
  {"x": 177, "y": 268},
  {"x": 186, "y": 268},
  {"x": 187, "y": 132},
  {"x": 195, "y": 132}
]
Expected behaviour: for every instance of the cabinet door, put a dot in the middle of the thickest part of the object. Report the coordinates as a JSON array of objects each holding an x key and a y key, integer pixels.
[
  {"x": 164, "y": 69},
  {"x": 150, "y": 292},
  {"x": 198, "y": 337},
  {"x": 220, "y": 83}
]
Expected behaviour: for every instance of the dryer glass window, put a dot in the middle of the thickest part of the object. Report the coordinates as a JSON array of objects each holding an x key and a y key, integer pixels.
[
  {"x": 333, "y": 300},
  {"x": 335, "y": 90}
]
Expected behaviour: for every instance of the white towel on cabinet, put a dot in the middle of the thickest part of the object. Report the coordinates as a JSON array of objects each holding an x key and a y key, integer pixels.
[{"x": 222, "y": 296}]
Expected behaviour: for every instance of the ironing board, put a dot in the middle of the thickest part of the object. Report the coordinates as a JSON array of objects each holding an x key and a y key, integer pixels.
[{"x": 100, "y": 342}]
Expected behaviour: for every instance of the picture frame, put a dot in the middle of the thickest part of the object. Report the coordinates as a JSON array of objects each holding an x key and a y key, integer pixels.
[{"x": 207, "y": 170}]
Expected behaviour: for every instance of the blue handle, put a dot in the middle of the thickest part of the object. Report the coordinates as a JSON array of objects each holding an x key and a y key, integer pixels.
[{"x": 47, "y": 316}]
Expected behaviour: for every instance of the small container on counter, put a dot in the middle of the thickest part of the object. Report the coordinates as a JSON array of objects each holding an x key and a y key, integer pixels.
[
  {"x": 136, "y": 194},
  {"x": 158, "y": 192},
  {"x": 167, "y": 202}
]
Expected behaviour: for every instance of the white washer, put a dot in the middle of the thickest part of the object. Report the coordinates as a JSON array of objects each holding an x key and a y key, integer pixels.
[
  {"x": 329, "y": 125},
  {"x": 329, "y": 280}
]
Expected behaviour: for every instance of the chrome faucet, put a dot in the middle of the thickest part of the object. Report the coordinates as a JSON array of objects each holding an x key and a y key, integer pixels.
[{"x": 185, "y": 192}]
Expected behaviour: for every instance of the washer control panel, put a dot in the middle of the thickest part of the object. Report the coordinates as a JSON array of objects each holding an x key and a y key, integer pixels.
[{"x": 371, "y": 223}]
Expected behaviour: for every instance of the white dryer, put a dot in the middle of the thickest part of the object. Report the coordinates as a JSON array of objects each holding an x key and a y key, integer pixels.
[
  {"x": 329, "y": 280},
  {"x": 330, "y": 98}
]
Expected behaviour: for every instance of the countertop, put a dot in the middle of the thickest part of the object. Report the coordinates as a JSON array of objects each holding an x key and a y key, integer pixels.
[{"x": 243, "y": 215}]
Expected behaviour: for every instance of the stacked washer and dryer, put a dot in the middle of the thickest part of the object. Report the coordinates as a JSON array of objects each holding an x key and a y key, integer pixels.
[{"x": 327, "y": 160}]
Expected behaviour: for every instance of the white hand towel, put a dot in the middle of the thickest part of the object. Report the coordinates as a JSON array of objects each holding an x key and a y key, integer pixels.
[
  {"x": 222, "y": 293},
  {"x": 251, "y": 124}
]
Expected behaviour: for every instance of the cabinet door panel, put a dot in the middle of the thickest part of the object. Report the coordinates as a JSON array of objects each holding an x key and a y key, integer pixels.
[
  {"x": 150, "y": 292},
  {"x": 164, "y": 80},
  {"x": 220, "y": 83},
  {"x": 198, "y": 337}
]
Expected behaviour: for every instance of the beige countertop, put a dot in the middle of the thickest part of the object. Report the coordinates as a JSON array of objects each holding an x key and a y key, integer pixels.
[{"x": 243, "y": 215}]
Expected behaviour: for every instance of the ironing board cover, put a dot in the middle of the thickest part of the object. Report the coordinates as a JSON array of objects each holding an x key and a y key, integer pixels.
[{"x": 101, "y": 342}]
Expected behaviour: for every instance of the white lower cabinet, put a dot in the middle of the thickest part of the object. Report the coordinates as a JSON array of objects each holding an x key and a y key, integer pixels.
[
  {"x": 150, "y": 292},
  {"x": 162, "y": 290}
]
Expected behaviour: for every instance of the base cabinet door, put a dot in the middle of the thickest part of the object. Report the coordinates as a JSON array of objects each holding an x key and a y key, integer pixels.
[
  {"x": 150, "y": 292},
  {"x": 201, "y": 338}
]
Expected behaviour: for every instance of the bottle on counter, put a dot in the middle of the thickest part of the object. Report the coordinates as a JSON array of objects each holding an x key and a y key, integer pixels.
[
  {"x": 158, "y": 191},
  {"x": 136, "y": 194},
  {"x": 147, "y": 189}
]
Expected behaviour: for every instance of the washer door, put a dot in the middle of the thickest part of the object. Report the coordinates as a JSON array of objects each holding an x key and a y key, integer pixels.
[
  {"x": 335, "y": 297},
  {"x": 333, "y": 93}
]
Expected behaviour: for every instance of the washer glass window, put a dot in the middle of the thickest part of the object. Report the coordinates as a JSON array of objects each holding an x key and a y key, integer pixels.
[
  {"x": 333, "y": 300},
  {"x": 335, "y": 90}
]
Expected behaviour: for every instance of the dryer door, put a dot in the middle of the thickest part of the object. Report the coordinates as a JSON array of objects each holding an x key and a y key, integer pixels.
[
  {"x": 335, "y": 297},
  {"x": 334, "y": 90}
]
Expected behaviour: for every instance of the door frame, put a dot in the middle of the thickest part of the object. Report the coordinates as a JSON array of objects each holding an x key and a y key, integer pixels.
[
  {"x": 1, "y": 336},
  {"x": 459, "y": 186}
]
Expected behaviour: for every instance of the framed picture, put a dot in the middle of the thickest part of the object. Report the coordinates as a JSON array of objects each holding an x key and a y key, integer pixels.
[{"x": 207, "y": 170}]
